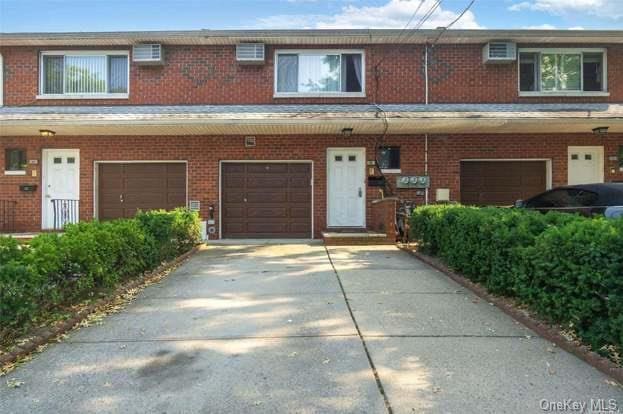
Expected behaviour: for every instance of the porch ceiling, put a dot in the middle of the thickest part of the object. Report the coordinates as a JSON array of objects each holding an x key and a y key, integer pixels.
[{"x": 311, "y": 119}]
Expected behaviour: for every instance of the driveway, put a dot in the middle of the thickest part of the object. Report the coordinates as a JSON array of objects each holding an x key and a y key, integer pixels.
[{"x": 299, "y": 328}]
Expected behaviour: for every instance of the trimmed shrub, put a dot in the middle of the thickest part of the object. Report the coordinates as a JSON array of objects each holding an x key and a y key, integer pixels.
[
  {"x": 58, "y": 269},
  {"x": 567, "y": 268}
]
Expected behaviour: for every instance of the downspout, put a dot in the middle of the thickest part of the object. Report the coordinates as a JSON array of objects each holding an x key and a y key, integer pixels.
[{"x": 426, "y": 103}]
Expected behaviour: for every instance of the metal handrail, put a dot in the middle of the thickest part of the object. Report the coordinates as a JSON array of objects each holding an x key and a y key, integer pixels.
[
  {"x": 7, "y": 216},
  {"x": 65, "y": 212}
]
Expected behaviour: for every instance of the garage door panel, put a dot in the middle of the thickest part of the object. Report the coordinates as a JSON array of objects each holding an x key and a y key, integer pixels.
[
  {"x": 268, "y": 196},
  {"x": 297, "y": 181},
  {"x": 501, "y": 182},
  {"x": 300, "y": 212},
  {"x": 229, "y": 168},
  {"x": 300, "y": 197},
  {"x": 277, "y": 200},
  {"x": 267, "y": 227},
  {"x": 234, "y": 181},
  {"x": 125, "y": 188},
  {"x": 267, "y": 212},
  {"x": 268, "y": 181},
  {"x": 264, "y": 168},
  {"x": 233, "y": 212},
  {"x": 233, "y": 196}
]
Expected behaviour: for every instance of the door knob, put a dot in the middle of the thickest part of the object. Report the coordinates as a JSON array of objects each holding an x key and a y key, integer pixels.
[
  {"x": 121, "y": 198},
  {"x": 360, "y": 193}
]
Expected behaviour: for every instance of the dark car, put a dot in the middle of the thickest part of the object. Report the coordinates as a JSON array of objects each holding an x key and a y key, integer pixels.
[{"x": 587, "y": 199}]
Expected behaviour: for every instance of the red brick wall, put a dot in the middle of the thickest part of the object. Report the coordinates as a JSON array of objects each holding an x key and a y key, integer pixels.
[
  {"x": 204, "y": 152},
  {"x": 210, "y": 75}
]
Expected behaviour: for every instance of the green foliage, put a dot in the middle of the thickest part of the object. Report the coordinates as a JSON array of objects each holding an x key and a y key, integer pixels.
[
  {"x": 567, "y": 268},
  {"x": 62, "y": 269}
]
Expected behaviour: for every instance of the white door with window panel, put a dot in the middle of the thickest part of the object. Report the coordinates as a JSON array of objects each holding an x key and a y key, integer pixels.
[
  {"x": 61, "y": 181},
  {"x": 346, "y": 187},
  {"x": 585, "y": 165}
]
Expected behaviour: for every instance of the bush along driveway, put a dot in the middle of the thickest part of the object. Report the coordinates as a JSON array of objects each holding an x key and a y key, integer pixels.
[
  {"x": 303, "y": 328},
  {"x": 566, "y": 268},
  {"x": 44, "y": 279}
]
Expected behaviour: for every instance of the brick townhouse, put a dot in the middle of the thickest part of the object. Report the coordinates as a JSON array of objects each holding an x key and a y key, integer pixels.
[{"x": 293, "y": 133}]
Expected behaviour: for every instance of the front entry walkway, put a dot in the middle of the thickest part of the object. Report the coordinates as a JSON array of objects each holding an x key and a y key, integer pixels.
[{"x": 266, "y": 328}]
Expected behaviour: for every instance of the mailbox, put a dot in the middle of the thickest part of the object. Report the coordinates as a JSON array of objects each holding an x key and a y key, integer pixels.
[{"x": 28, "y": 188}]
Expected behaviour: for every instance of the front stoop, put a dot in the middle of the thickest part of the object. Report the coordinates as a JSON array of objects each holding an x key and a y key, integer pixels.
[{"x": 359, "y": 239}]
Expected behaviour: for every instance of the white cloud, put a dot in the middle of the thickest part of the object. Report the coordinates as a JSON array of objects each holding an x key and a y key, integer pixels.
[
  {"x": 576, "y": 28},
  {"x": 540, "y": 27},
  {"x": 612, "y": 9},
  {"x": 394, "y": 14}
]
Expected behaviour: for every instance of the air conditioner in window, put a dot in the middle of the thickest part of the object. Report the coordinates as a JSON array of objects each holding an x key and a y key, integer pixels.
[
  {"x": 250, "y": 53},
  {"x": 499, "y": 52},
  {"x": 148, "y": 54}
]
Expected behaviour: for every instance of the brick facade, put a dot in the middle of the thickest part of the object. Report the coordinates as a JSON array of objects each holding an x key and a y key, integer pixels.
[
  {"x": 203, "y": 154},
  {"x": 210, "y": 75}
]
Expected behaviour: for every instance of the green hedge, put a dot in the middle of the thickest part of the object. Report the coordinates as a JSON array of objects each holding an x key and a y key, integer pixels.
[
  {"x": 58, "y": 269},
  {"x": 567, "y": 268}
]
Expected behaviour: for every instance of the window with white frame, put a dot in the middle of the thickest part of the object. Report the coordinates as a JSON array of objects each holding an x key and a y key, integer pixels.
[
  {"x": 318, "y": 73},
  {"x": 552, "y": 71},
  {"x": 81, "y": 73}
]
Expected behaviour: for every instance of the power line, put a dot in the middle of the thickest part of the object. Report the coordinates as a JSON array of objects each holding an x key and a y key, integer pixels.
[{"x": 471, "y": 3}]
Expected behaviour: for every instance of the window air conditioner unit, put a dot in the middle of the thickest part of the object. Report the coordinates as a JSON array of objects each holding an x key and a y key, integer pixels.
[
  {"x": 499, "y": 52},
  {"x": 250, "y": 52},
  {"x": 148, "y": 54}
]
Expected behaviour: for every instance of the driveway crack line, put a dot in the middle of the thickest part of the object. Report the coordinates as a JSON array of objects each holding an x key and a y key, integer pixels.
[{"x": 377, "y": 378}]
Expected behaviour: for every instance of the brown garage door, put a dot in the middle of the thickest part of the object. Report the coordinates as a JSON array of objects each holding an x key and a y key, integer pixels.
[
  {"x": 501, "y": 182},
  {"x": 126, "y": 188},
  {"x": 264, "y": 200}
]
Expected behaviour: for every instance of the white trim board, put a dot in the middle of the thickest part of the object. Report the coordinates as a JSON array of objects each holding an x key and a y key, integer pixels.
[
  {"x": 220, "y": 187},
  {"x": 96, "y": 176}
]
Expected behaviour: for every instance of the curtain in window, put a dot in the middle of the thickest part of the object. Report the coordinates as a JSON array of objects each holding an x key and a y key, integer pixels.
[
  {"x": 118, "y": 74},
  {"x": 85, "y": 74},
  {"x": 53, "y": 74},
  {"x": 351, "y": 73},
  {"x": 319, "y": 73},
  {"x": 287, "y": 73}
]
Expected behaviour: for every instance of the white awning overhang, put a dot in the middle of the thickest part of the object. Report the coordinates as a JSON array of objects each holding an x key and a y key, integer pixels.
[{"x": 362, "y": 119}]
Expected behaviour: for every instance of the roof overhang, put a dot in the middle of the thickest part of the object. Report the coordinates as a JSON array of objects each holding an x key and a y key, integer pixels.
[
  {"x": 309, "y": 37},
  {"x": 312, "y": 119}
]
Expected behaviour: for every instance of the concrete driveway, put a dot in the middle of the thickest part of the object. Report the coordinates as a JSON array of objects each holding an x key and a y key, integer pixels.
[{"x": 297, "y": 328}]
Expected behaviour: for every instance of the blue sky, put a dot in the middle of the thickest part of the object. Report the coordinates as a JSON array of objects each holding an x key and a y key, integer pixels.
[{"x": 113, "y": 15}]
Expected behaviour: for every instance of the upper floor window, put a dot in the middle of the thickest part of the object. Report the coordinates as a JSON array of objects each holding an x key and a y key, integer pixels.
[
  {"x": 84, "y": 74},
  {"x": 319, "y": 73},
  {"x": 562, "y": 72}
]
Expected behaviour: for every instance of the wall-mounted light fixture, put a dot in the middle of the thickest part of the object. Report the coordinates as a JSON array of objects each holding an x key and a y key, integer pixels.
[
  {"x": 249, "y": 142},
  {"x": 602, "y": 130},
  {"x": 347, "y": 132},
  {"x": 46, "y": 133}
]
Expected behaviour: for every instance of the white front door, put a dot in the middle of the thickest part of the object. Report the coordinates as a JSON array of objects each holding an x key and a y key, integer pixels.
[
  {"x": 61, "y": 187},
  {"x": 346, "y": 187},
  {"x": 585, "y": 165}
]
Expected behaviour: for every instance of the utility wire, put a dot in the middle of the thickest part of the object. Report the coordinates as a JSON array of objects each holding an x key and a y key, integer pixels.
[{"x": 471, "y": 3}]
